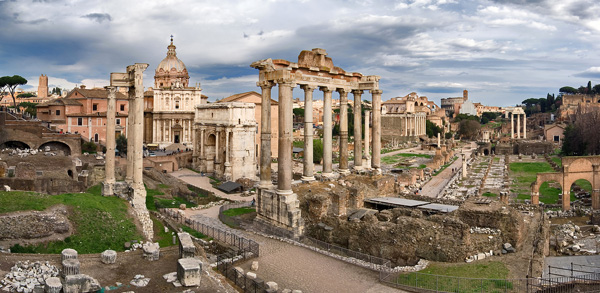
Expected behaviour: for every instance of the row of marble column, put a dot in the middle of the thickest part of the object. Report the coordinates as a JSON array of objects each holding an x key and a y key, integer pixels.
[
  {"x": 512, "y": 127},
  {"x": 413, "y": 126},
  {"x": 284, "y": 179},
  {"x": 162, "y": 130}
]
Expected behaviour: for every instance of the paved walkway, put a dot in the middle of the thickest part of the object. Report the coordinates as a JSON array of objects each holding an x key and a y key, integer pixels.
[{"x": 435, "y": 186}]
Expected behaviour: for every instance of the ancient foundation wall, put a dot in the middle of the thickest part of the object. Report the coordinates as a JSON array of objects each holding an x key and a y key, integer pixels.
[{"x": 34, "y": 224}]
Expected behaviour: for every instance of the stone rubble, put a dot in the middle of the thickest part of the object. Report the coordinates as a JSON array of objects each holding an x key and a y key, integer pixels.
[
  {"x": 24, "y": 276},
  {"x": 140, "y": 281},
  {"x": 485, "y": 230}
]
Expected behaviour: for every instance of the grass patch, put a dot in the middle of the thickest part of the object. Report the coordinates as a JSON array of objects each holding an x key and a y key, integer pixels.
[
  {"x": 163, "y": 239},
  {"x": 298, "y": 143},
  {"x": 534, "y": 167},
  {"x": 175, "y": 202},
  {"x": 239, "y": 211},
  {"x": 584, "y": 184},
  {"x": 161, "y": 185},
  {"x": 100, "y": 222},
  {"x": 496, "y": 160},
  {"x": 393, "y": 159},
  {"x": 489, "y": 194},
  {"x": 557, "y": 160},
  {"x": 442, "y": 277},
  {"x": 523, "y": 196},
  {"x": 193, "y": 232}
]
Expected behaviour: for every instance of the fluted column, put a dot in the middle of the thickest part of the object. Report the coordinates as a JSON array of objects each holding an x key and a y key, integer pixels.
[
  {"x": 109, "y": 167},
  {"x": 308, "y": 174},
  {"x": 284, "y": 158},
  {"x": 327, "y": 134},
  {"x": 367, "y": 156},
  {"x": 512, "y": 126},
  {"x": 265, "y": 134},
  {"x": 524, "y": 125},
  {"x": 343, "y": 166},
  {"x": 376, "y": 162},
  {"x": 518, "y": 126},
  {"x": 357, "y": 130}
]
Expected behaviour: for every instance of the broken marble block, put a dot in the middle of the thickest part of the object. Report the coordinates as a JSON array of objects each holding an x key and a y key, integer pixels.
[
  {"x": 80, "y": 283},
  {"x": 186, "y": 246},
  {"x": 189, "y": 271},
  {"x": 151, "y": 251}
]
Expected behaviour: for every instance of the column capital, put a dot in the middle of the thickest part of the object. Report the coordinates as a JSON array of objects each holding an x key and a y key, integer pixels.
[
  {"x": 357, "y": 92},
  {"x": 376, "y": 92},
  {"x": 112, "y": 90},
  {"x": 286, "y": 82},
  {"x": 326, "y": 89},
  {"x": 342, "y": 91},
  {"x": 308, "y": 87},
  {"x": 265, "y": 84}
]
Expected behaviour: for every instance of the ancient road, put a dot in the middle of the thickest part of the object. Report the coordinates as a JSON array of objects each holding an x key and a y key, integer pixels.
[{"x": 435, "y": 186}]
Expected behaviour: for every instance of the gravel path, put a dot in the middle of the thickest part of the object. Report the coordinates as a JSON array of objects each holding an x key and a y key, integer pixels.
[{"x": 435, "y": 186}]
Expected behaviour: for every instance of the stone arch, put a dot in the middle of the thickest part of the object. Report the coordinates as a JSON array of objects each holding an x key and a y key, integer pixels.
[
  {"x": 57, "y": 146},
  {"x": 540, "y": 179},
  {"x": 416, "y": 103},
  {"x": 14, "y": 144},
  {"x": 211, "y": 140}
]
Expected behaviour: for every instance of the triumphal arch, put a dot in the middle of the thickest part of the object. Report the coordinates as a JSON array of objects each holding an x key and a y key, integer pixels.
[
  {"x": 278, "y": 207},
  {"x": 574, "y": 168}
]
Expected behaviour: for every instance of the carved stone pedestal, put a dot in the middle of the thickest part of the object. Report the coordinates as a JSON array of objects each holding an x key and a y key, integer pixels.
[{"x": 279, "y": 214}]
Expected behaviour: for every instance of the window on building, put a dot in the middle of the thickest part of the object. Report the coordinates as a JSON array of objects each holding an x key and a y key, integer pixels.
[
  {"x": 176, "y": 104},
  {"x": 556, "y": 138},
  {"x": 123, "y": 107},
  {"x": 57, "y": 112},
  {"x": 79, "y": 121},
  {"x": 95, "y": 107},
  {"x": 96, "y": 137},
  {"x": 118, "y": 121}
]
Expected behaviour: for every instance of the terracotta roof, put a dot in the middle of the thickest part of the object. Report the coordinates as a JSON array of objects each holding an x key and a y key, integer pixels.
[
  {"x": 60, "y": 102},
  {"x": 95, "y": 94},
  {"x": 237, "y": 97}
]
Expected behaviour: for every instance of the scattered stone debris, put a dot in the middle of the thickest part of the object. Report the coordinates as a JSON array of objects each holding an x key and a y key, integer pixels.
[
  {"x": 140, "y": 281},
  {"x": 484, "y": 230},
  {"x": 25, "y": 276},
  {"x": 571, "y": 239}
]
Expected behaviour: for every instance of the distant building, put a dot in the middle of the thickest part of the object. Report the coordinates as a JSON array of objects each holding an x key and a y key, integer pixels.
[
  {"x": 468, "y": 108},
  {"x": 554, "y": 133},
  {"x": 169, "y": 106},
  {"x": 83, "y": 111},
  {"x": 225, "y": 141},
  {"x": 42, "y": 91},
  {"x": 256, "y": 99},
  {"x": 405, "y": 117}
]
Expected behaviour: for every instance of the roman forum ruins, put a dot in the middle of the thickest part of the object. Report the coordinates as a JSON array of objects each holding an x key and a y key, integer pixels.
[
  {"x": 279, "y": 207},
  {"x": 134, "y": 184}
]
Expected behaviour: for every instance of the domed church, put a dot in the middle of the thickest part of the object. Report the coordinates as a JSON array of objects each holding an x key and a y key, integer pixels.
[{"x": 169, "y": 106}]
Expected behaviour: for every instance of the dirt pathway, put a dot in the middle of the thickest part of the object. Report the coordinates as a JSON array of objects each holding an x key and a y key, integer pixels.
[{"x": 435, "y": 186}]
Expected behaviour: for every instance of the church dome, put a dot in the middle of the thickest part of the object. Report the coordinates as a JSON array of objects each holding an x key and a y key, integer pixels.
[{"x": 171, "y": 69}]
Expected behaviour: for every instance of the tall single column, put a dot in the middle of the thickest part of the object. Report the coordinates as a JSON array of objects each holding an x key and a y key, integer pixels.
[
  {"x": 464, "y": 166},
  {"x": 357, "y": 129},
  {"x": 265, "y": 134},
  {"x": 308, "y": 174},
  {"x": 524, "y": 125},
  {"x": 109, "y": 167},
  {"x": 596, "y": 199},
  {"x": 343, "y": 132},
  {"x": 284, "y": 158},
  {"x": 202, "y": 151},
  {"x": 367, "y": 156},
  {"x": 130, "y": 134},
  {"x": 376, "y": 163},
  {"x": 512, "y": 126},
  {"x": 327, "y": 134},
  {"x": 138, "y": 130},
  {"x": 405, "y": 125},
  {"x": 518, "y": 126}
]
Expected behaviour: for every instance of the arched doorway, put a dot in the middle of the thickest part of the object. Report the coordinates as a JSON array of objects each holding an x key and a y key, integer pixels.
[
  {"x": 581, "y": 190},
  {"x": 14, "y": 144},
  {"x": 210, "y": 152},
  {"x": 57, "y": 146}
]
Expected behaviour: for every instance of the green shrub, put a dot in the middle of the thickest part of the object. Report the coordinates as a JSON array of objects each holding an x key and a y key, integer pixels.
[
  {"x": 317, "y": 151},
  {"x": 89, "y": 147}
]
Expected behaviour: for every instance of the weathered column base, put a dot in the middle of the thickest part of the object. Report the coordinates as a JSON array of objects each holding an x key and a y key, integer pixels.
[
  {"x": 108, "y": 188},
  {"x": 376, "y": 171},
  {"x": 329, "y": 176},
  {"x": 279, "y": 214},
  {"x": 535, "y": 198},
  {"x": 344, "y": 172},
  {"x": 227, "y": 174},
  {"x": 309, "y": 179}
]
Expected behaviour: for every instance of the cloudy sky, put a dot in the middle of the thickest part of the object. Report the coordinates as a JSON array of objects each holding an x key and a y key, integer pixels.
[{"x": 501, "y": 51}]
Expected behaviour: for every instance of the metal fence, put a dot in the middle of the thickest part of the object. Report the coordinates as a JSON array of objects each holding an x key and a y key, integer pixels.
[
  {"x": 231, "y": 221},
  {"x": 225, "y": 265},
  {"x": 420, "y": 282},
  {"x": 241, "y": 243}
]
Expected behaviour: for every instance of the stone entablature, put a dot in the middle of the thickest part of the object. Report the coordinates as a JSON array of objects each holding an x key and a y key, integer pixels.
[{"x": 225, "y": 140}]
